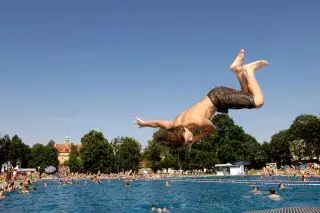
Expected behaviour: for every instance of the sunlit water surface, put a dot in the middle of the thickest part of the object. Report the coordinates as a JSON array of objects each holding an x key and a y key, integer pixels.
[{"x": 184, "y": 195}]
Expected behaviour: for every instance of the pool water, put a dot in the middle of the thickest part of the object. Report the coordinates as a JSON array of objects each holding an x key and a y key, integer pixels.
[{"x": 184, "y": 195}]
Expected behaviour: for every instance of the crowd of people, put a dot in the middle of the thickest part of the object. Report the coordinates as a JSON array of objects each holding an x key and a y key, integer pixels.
[
  {"x": 25, "y": 182},
  {"x": 11, "y": 180},
  {"x": 307, "y": 171}
]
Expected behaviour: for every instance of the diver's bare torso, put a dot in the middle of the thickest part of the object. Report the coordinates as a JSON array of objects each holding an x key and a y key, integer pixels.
[{"x": 193, "y": 117}]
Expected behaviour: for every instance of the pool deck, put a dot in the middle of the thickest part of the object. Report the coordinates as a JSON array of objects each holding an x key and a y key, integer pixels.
[{"x": 289, "y": 210}]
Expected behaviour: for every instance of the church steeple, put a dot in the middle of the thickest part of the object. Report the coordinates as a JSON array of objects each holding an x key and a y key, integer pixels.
[{"x": 66, "y": 141}]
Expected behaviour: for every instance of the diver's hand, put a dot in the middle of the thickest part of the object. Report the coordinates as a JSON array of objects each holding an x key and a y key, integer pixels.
[{"x": 139, "y": 122}]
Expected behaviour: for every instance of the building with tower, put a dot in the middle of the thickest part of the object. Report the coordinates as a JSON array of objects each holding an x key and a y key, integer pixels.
[{"x": 64, "y": 150}]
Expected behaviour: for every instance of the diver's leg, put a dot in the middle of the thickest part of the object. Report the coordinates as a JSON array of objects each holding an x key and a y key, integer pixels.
[
  {"x": 253, "y": 85},
  {"x": 236, "y": 67}
]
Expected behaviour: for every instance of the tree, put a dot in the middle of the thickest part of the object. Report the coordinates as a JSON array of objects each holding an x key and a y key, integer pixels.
[
  {"x": 233, "y": 143},
  {"x": 51, "y": 154},
  {"x": 38, "y": 157},
  {"x": 4, "y": 149},
  {"x": 279, "y": 148},
  {"x": 96, "y": 153},
  {"x": 306, "y": 129},
  {"x": 19, "y": 152},
  {"x": 14, "y": 150},
  {"x": 199, "y": 159},
  {"x": 298, "y": 149},
  {"x": 43, "y": 156},
  {"x": 115, "y": 143},
  {"x": 168, "y": 160},
  {"x": 226, "y": 153},
  {"x": 260, "y": 157},
  {"x": 152, "y": 155},
  {"x": 128, "y": 153},
  {"x": 75, "y": 163}
]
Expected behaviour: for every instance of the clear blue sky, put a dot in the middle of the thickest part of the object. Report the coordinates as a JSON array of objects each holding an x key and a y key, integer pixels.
[{"x": 70, "y": 66}]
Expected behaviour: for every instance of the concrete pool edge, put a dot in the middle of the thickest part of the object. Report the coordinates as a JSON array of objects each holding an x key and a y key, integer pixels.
[{"x": 301, "y": 209}]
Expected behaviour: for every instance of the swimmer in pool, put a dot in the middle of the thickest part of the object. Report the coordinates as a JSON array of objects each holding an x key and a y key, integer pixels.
[
  {"x": 25, "y": 189},
  {"x": 154, "y": 208},
  {"x": 281, "y": 186},
  {"x": 273, "y": 194},
  {"x": 219, "y": 99},
  {"x": 256, "y": 190},
  {"x": 2, "y": 194}
]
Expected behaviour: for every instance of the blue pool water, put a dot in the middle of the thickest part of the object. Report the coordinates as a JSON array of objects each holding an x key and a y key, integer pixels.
[{"x": 184, "y": 195}]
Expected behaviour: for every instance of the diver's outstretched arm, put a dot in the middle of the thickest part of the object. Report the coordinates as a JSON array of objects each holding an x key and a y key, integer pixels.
[{"x": 153, "y": 123}]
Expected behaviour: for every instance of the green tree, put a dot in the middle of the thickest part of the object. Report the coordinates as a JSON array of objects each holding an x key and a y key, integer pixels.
[
  {"x": 14, "y": 150},
  {"x": 279, "y": 148},
  {"x": 266, "y": 150},
  {"x": 168, "y": 160},
  {"x": 128, "y": 154},
  {"x": 260, "y": 156},
  {"x": 226, "y": 153},
  {"x": 43, "y": 156},
  {"x": 307, "y": 128},
  {"x": 233, "y": 143},
  {"x": 152, "y": 155},
  {"x": 4, "y": 148},
  {"x": 37, "y": 157},
  {"x": 75, "y": 163},
  {"x": 199, "y": 159},
  {"x": 115, "y": 143},
  {"x": 96, "y": 153},
  {"x": 51, "y": 154},
  {"x": 298, "y": 149}
]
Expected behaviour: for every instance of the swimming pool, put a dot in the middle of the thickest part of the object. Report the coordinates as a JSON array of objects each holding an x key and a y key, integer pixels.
[{"x": 216, "y": 194}]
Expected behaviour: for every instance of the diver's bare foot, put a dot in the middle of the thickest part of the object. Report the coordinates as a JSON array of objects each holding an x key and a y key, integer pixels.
[
  {"x": 252, "y": 67},
  {"x": 238, "y": 61}
]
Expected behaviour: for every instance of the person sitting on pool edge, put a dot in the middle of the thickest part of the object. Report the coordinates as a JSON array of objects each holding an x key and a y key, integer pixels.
[{"x": 219, "y": 99}]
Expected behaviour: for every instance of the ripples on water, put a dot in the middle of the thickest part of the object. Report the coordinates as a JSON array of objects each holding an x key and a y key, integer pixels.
[{"x": 183, "y": 196}]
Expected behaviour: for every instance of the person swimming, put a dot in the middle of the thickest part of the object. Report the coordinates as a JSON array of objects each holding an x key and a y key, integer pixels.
[
  {"x": 281, "y": 186},
  {"x": 25, "y": 189},
  {"x": 2, "y": 194},
  {"x": 273, "y": 194},
  {"x": 256, "y": 190},
  {"x": 158, "y": 209}
]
